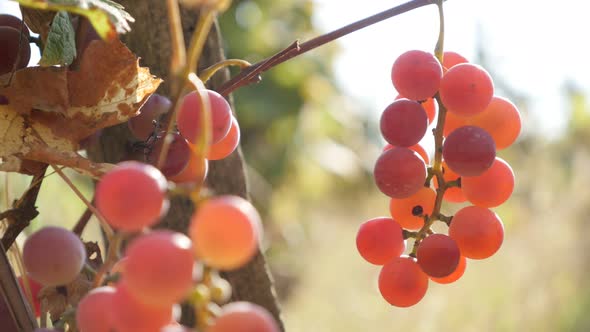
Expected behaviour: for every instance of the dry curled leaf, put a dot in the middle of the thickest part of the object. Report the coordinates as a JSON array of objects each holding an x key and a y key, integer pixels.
[{"x": 50, "y": 110}]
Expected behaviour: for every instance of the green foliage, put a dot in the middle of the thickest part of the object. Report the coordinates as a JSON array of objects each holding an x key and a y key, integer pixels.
[{"x": 61, "y": 42}]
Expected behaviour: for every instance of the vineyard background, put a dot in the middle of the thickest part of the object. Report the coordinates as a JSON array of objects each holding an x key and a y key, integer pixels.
[{"x": 310, "y": 141}]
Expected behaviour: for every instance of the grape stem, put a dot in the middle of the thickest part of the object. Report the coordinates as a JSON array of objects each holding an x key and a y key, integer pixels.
[
  {"x": 436, "y": 169},
  {"x": 208, "y": 72},
  {"x": 250, "y": 74}
]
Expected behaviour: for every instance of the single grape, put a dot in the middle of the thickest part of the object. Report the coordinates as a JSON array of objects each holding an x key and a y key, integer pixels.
[
  {"x": 452, "y": 194},
  {"x": 159, "y": 267},
  {"x": 225, "y": 231},
  {"x": 416, "y": 75},
  {"x": 243, "y": 317},
  {"x": 477, "y": 231},
  {"x": 500, "y": 119},
  {"x": 195, "y": 171},
  {"x": 407, "y": 211},
  {"x": 438, "y": 255},
  {"x": 132, "y": 196},
  {"x": 142, "y": 125},
  {"x": 177, "y": 158},
  {"x": 380, "y": 240},
  {"x": 7, "y": 20},
  {"x": 404, "y": 123},
  {"x": 466, "y": 89},
  {"x": 416, "y": 148},
  {"x": 458, "y": 273},
  {"x": 402, "y": 282},
  {"x": 131, "y": 315},
  {"x": 469, "y": 151},
  {"x": 189, "y": 116},
  {"x": 399, "y": 172},
  {"x": 15, "y": 49},
  {"x": 450, "y": 59},
  {"x": 491, "y": 188},
  {"x": 53, "y": 256},
  {"x": 93, "y": 313},
  {"x": 227, "y": 144},
  {"x": 35, "y": 287}
]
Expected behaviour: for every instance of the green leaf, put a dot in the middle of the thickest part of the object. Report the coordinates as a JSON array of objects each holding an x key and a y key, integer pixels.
[
  {"x": 60, "y": 48},
  {"x": 107, "y": 17}
]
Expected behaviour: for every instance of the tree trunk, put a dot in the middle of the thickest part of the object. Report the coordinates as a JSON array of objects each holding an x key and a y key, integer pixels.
[{"x": 150, "y": 40}]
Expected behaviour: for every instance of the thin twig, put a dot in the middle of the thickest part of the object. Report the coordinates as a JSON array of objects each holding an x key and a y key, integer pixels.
[{"x": 245, "y": 77}]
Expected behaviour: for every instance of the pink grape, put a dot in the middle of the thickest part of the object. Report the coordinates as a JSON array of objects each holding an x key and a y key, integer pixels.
[
  {"x": 492, "y": 188},
  {"x": 450, "y": 59},
  {"x": 399, "y": 172},
  {"x": 93, "y": 313},
  {"x": 478, "y": 232},
  {"x": 226, "y": 231},
  {"x": 438, "y": 255},
  {"x": 159, "y": 267},
  {"x": 469, "y": 151},
  {"x": 189, "y": 116},
  {"x": 244, "y": 317},
  {"x": 404, "y": 123},
  {"x": 131, "y": 315},
  {"x": 54, "y": 256},
  {"x": 416, "y": 75},
  {"x": 402, "y": 282},
  {"x": 226, "y": 145},
  {"x": 380, "y": 240},
  {"x": 466, "y": 89},
  {"x": 177, "y": 158},
  {"x": 132, "y": 196},
  {"x": 142, "y": 125}
]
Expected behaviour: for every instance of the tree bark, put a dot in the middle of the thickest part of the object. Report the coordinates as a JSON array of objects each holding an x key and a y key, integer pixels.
[{"x": 150, "y": 40}]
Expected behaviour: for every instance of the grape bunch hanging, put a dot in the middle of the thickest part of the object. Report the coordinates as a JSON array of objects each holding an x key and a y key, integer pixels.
[{"x": 472, "y": 124}]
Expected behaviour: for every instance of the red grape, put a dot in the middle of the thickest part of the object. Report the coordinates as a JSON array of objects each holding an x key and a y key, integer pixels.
[
  {"x": 416, "y": 147},
  {"x": 132, "y": 196},
  {"x": 195, "y": 171},
  {"x": 404, "y": 123},
  {"x": 14, "y": 22},
  {"x": 54, "y": 256},
  {"x": 451, "y": 59},
  {"x": 416, "y": 75},
  {"x": 227, "y": 144},
  {"x": 142, "y": 125},
  {"x": 491, "y": 188},
  {"x": 159, "y": 267},
  {"x": 189, "y": 116},
  {"x": 469, "y": 151},
  {"x": 407, "y": 211},
  {"x": 429, "y": 106},
  {"x": 477, "y": 231},
  {"x": 130, "y": 315},
  {"x": 438, "y": 255},
  {"x": 399, "y": 172},
  {"x": 15, "y": 49},
  {"x": 35, "y": 288},
  {"x": 244, "y": 317},
  {"x": 501, "y": 120},
  {"x": 177, "y": 158},
  {"x": 458, "y": 273},
  {"x": 225, "y": 231},
  {"x": 466, "y": 89},
  {"x": 93, "y": 313},
  {"x": 380, "y": 240},
  {"x": 402, "y": 282}
]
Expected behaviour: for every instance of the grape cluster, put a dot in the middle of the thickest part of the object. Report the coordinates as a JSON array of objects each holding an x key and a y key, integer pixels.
[
  {"x": 183, "y": 163},
  {"x": 160, "y": 268},
  {"x": 14, "y": 38},
  {"x": 472, "y": 124}
]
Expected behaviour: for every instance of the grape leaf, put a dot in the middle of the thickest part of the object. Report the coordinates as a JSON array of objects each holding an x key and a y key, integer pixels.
[
  {"x": 107, "y": 17},
  {"x": 51, "y": 109},
  {"x": 60, "y": 47}
]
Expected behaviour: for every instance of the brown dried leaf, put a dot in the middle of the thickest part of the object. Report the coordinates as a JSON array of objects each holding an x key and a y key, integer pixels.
[{"x": 52, "y": 109}]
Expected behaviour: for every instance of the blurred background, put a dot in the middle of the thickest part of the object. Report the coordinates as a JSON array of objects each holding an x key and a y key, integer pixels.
[{"x": 310, "y": 138}]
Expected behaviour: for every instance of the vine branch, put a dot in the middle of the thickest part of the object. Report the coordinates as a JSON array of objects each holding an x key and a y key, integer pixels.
[{"x": 247, "y": 76}]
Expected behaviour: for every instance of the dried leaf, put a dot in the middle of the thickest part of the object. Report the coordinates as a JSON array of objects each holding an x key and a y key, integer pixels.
[{"x": 52, "y": 109}]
